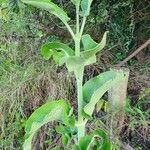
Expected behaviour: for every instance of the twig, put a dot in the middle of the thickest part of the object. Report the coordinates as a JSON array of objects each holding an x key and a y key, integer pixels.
[{"x": 134, "y": 53}]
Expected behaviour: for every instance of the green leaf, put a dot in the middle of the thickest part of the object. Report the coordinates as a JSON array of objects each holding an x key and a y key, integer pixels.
[
  {"x": 57, "y": 56},
  {"x": 87, "y": 57},
  {"x": 100, "y": 105},
  {"x": 91, "y": 141},
  {"x": 85, "y": 141},
  {"x": 95, "y": 88},
  {"x": 47, "y": 53},
  {"x": 66, "y": 132},
  {"x": 55, "y": 110},
  {"x": 88, "y": 42},
  {"x": 91, "y": 47},
  {"x": 65, "y": 139},
  {"x": 50, "y": 7},
  {"x": 75, "y": 63},
  {"x": 47, "y": 50},
  {"x": 85, "y": 5}
]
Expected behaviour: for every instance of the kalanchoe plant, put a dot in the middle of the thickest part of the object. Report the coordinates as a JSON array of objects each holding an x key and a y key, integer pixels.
[{"x": 88, "y": 95}]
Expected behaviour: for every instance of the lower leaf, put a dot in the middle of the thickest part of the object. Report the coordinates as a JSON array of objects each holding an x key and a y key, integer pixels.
[
  {"x": 98, "y": 140},
  {"x": 55, "y": 110}
]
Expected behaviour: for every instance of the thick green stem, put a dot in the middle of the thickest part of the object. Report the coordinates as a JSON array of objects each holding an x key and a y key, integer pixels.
[
  {"x": 77, "y": 45},
  {"x": 79, "y": 74},
  {"x": 78, "y": 37},
  {"x": 79, "y": 92},
  {"x": 80, "y": 124}
]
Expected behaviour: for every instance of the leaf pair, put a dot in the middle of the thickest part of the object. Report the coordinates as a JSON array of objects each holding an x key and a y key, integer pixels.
[
  {"x": 67, "y": 55},
  {"x": 88, "y": 56}
]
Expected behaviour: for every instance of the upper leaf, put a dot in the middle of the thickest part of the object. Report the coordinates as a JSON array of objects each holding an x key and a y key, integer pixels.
[
  {"x": 50, "y": 7},
  {"x": 56, "y": 110},
  {"x": 88, "y": 42},
  {"x": 85, "y": 5},
  {"x": 94, "y": 89},
  {"x": 47, "y": 50},
  {"x": 88, "y": 56},
  {"x": 91, "y": 47}
]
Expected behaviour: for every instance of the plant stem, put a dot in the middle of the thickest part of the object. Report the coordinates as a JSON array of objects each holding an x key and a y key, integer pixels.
[
  {"x": 79, "y": 74},
  {"x": 78, "y": 37},
  {"x": 77, "y": 46},
  {"x": 70, "y": 30},
  {"x": 79, "y": 79},
  {"x": 80, "y": 124},
  {"x": 77, "y": 18},
  {"x": 83, "y": 25}
]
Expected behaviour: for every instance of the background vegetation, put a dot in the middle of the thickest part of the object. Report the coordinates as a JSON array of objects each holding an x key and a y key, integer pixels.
[{"x": 26, "y": 81}]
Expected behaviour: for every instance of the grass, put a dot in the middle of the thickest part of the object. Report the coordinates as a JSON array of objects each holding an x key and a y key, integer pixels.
[
  {"x": 23, "y": 87},
  {"x": 22, "y": 90}
]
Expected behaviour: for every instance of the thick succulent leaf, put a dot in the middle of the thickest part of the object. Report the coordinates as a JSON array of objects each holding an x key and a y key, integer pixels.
[
  {"x": 95, "y": 88},
  {"x": 48, "y": 6},
  {"x": 47, "y": 49},
  {"x": 92, "y": 48},
  {"x": 47, "y": 53},
  {"x": 85, "y": 5},
  {"x": 55, "y": 110},
  {"x": 88, "y": 141}
]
